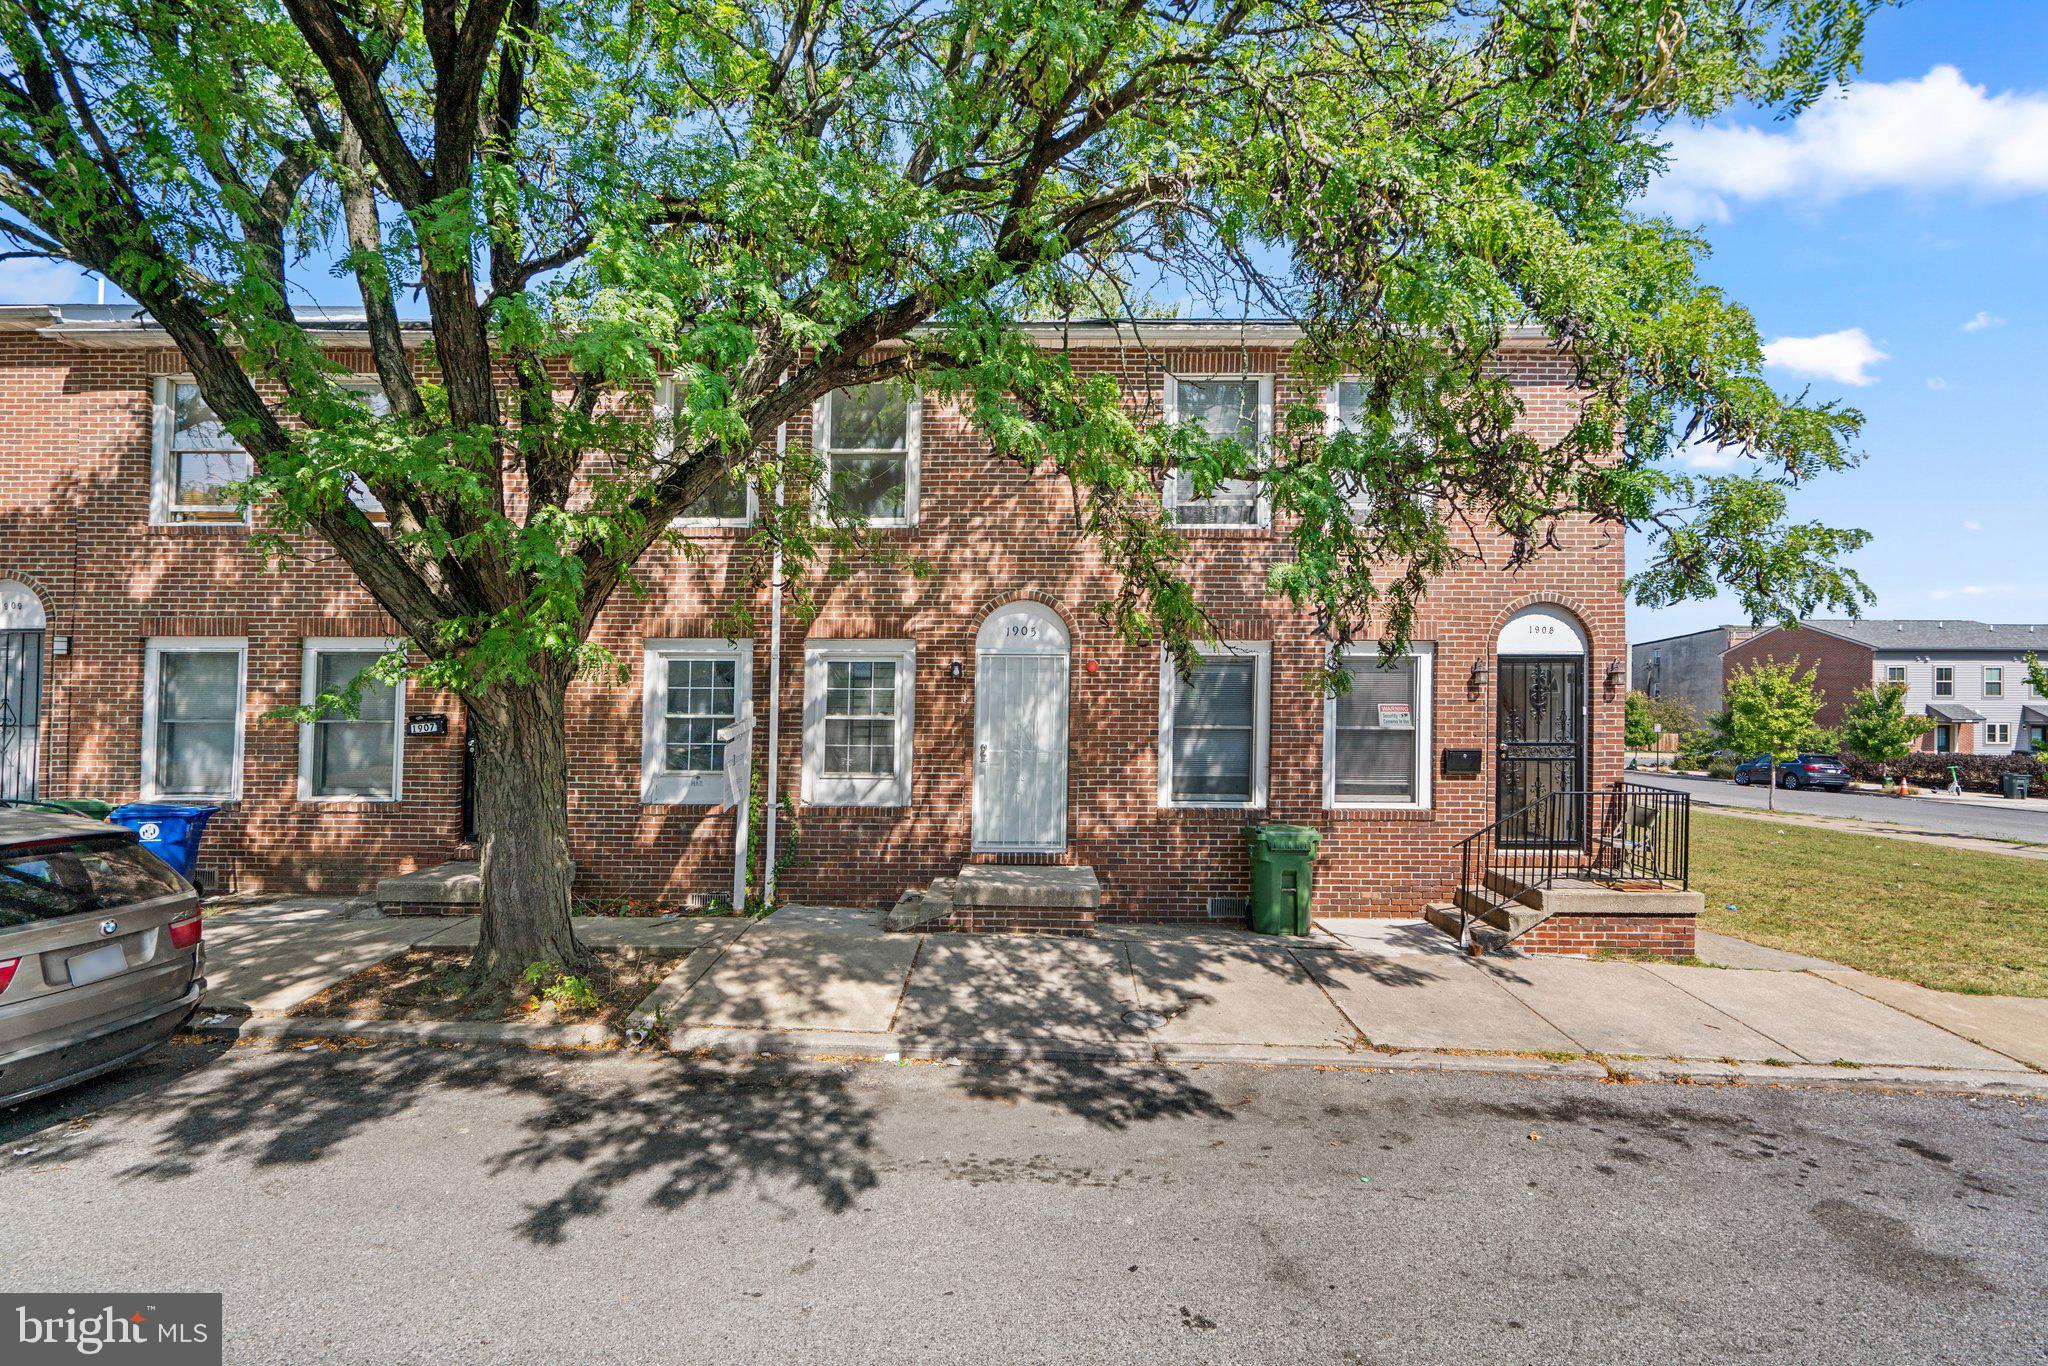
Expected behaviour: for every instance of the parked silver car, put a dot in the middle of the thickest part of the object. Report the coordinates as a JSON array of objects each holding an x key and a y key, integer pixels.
[{"x": 100, "y": 959}]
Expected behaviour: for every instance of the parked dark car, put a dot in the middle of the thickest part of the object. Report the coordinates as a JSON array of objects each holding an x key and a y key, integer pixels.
[
  {"x": 100, "y": 959},
  {"x": 1823, "y": 771}
]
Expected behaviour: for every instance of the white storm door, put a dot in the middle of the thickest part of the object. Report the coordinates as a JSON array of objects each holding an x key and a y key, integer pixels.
[{"x": 1020, "y": 753}]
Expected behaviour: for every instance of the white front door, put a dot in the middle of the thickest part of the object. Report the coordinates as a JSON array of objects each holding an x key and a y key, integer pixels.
[{"x": 1020, "y": 732}]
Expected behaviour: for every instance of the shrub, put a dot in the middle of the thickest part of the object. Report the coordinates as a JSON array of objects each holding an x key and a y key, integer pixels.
[{"x": 1978, "y": 772}]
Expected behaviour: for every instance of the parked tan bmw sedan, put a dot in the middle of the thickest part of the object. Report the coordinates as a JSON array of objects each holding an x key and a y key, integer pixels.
[{"x": 100, "y": 959}]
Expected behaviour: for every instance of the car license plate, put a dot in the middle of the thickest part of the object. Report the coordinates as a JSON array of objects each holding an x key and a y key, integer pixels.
[{"x": 96, "y": 966}]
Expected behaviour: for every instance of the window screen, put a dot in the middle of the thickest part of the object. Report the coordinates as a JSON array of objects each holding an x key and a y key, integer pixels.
[
  {"x": 354, "y": 756},
  {"x": 199, "y": 696},
  {"x": 1214, "y": 715},
  {"x": 1376, "y": 742},
  {"x": 1225, "y": 409},
  {"x": 867, "y": 450}
]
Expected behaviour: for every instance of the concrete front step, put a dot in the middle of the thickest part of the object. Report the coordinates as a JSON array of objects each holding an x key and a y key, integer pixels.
[
  {"x": 1509, "y": 917},
  {"x": 1035, "y": 899},
  {"x": 1447, "y": 918},
  {"x": 1584, "y": 896},
  {"x": 452, "y": 888}
]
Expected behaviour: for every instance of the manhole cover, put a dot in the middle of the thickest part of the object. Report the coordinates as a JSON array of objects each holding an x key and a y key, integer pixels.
[{"x": 1144, "y": 1019}]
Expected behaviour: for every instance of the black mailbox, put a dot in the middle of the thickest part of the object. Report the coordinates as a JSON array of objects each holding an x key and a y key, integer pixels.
[{"x": 1461, "y": 761}]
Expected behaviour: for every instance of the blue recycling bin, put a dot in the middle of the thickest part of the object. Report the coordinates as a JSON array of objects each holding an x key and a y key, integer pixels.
[{"x": 170, "y": 830}]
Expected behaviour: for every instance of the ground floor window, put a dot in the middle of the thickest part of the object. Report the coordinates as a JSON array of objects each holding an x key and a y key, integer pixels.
[
  {"x": 858, "y": 699},
  {"x": 1997, "y": 732},
  {"x": 1212, "y": 727},
  {"x": 692, "y": 690},
  {"x": 1376, "y": 735},
  {"x": 192, "y": 717},
  {"x": 350, "y": 757}
]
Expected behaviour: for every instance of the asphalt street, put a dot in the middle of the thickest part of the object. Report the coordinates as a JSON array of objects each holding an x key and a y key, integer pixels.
[
  {"x": 2026, "y": 821},
  {"x": 456, "y": 1205}
]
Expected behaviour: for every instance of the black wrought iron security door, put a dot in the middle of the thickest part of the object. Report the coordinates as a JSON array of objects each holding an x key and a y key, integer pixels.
[
  {"x": 1542, "y": 751},
  {"x": 21, "y": 712}
]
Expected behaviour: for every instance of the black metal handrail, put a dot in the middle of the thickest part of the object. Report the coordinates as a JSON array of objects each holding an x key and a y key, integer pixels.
[{"x": 1624, "y": 833}]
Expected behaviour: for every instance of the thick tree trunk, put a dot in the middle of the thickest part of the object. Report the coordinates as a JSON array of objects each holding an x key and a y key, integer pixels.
[{"x": 522, "y": 823}]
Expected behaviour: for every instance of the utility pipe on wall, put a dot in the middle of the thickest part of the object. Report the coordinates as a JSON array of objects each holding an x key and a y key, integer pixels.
[{"x": 774, "y": 673}]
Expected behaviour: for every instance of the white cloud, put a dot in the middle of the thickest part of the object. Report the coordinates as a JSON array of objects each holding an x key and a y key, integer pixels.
[
  {"x": 1700, "y": 453},
  {"x": 39, "y": 282},
  {"x": 1982, "y": 321},
  {"x": 1844, "y": 357},
  {"x": 1937, "y": 132},
  {"x": 1973, "y": 590},
  {"x": 1936, "y": 382},
  {"x": 1973, "y": 526}
]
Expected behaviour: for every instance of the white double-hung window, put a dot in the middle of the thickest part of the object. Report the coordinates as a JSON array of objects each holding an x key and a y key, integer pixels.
[
  {"x": 345, "y": 757},
  {"x": 1227, "y": 408},
  {"x": 1376, "y": 735},
  {"x": 194, "y": 460},
  {"x": 868, "y": 438},
  {"x": 1213, "y": 727},
  {"x": 691, "y": 690},
  {"x": 192, "y": 717},
  {"x": 1345, "y": 405},
  {"x": 858, "y": 697},
  {"x": 729, "y": 502}
]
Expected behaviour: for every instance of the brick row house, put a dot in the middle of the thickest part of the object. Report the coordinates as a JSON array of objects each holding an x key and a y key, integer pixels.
[{"x": 979, "y": 714}]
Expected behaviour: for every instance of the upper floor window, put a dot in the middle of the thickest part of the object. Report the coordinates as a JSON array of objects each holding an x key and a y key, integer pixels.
[
  {"x": 1213, "y": 727},
  {"x": 1376, "y": 735},
  {"x": 194, "y": 460},
  {"x": 730, "y": 499},
  {"x": 868, "y": 437},
  {"x": 1894, "y": 673},
  {"x": 1994, "y": 681},
  {"x": 344, "y": 757},
  {"x": 192, "y": 717},
  {"x": 1944, "y": 681},
  {"x": 693, "y": 689},
  {"x": 1227, "y": 408},
  {"x": 1346, "y": 404}
]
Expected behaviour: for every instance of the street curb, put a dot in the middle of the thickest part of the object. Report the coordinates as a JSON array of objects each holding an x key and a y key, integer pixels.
[
  {"x": 411, "y": 1031},
  {"x": 1868, "y": 1077}
]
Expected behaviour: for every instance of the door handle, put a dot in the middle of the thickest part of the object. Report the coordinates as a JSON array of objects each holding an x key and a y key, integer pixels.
[{"x": 982, "y": 758}]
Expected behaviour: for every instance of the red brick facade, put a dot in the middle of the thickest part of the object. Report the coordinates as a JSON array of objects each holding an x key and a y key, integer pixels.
[
  {"x": 1841, "y": 666},
  {"x": 74, "y": 526}
]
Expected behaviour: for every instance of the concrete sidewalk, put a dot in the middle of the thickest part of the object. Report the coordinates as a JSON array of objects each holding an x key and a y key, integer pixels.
[{"x": 822, "y": 980}]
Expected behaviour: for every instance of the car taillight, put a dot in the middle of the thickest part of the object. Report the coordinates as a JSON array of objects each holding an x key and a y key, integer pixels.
[
  {"x": 7, "y": 967},
  {"x": 185, "y": 930}
]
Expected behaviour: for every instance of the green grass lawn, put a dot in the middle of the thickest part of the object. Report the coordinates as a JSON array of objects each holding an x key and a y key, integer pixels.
[{"x": 1951, "y": 919}]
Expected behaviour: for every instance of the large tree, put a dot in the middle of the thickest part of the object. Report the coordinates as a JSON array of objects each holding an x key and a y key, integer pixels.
[{"x": 771, "y": 200}]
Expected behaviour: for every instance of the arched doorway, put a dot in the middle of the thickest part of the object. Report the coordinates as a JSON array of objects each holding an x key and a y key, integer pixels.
[
  {"x": 1540, "y": 728},
  {"x": 1020, "y": 731},
  {"x": 21, "y": 689}
]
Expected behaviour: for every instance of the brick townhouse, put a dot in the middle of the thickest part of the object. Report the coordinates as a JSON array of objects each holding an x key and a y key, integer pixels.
[{"x": 981, "y": 714}]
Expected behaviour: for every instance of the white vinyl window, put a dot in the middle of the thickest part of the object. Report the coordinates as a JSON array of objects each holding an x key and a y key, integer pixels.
[
  {"x": 1944, "y": 681},
  {"x": 1344, "y": 408},
  {"x": 868, "y": 438},
  {"x": 1213, "y": 727},
  {"x": 380, "y": 406},
  {"x": 343, "y": 757},
  {"x": 193, "y": 460},
  {"x": 727, "y": 503},
  {"x": 1894, "y": 673},
  {"x": 1377, "y": 736},
  {"x": 1994, "y": 681},
  {"x": 1997, "y": 732},
  {"x": 192, "y": 717},
  {"x": 691, "y": 689},
  {"x": 1226, "y": 407},
  {"x": 858, "y": 697}
]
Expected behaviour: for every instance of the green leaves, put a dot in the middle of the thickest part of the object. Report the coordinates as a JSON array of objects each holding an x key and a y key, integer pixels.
[{"x": 749, "y": 206}]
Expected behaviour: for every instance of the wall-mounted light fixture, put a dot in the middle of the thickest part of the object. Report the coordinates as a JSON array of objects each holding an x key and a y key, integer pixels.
[
  {"x": 1477, "y": 678},
  {"x": 955, "y": 670},
  {"x": 1617, "y": 673}
]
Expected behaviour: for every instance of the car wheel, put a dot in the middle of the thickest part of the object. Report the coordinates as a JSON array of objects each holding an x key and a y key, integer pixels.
[
  {"x": 1791, "y": 782},
  {"x": 1742, "y": 780}
]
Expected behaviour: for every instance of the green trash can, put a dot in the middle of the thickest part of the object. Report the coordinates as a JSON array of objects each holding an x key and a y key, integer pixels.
[
  {"x": 92, "y": 808},
  {"x": 1283, "y": 876},
  {"x": 2016, "y": 784}
]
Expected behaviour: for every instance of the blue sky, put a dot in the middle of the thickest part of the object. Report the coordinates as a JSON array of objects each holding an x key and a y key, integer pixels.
[
  {"x": 1908, "y": 219},
  {"x": 1893, "y": 244}
]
